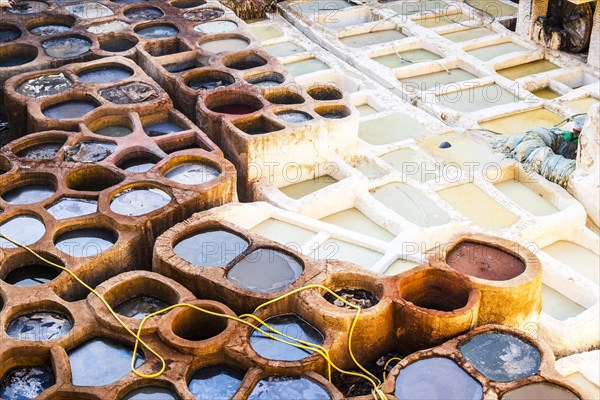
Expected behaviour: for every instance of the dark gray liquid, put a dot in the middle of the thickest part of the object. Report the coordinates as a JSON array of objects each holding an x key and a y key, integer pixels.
[
  {"x": 31, "y": 275},
  {"x": 218, "y": 382},
  {"x": 39, "y": 326},
  {"x": 69, "y": 208},
  {"x": 69, "y": 109},
  {"x": 288, "y": 387},
  {"x": 436, "y": 378},
  {"x": 44, "y": 151},
  {"x": 8, "y": 34},
  {"x": 117, "y": 45},
  {"x": 150, "y": 393},
  {"x": 105, "y": 75},
  {"x": 85, "y": 242},
  {"x": 16, "y": 60},
  {"x": 28, "y": 7},
  {"x": 141, "y": 306},
  {"x": 501, "y": 357},
  {"x": 13, "y": 228},
  {"x": 144, "y": 14},
  {"x": 162, "y": 128},
  {"x": 158, "y": 31},
  {"x": 101, "y": 362},
  {"x": 67, "y": 47},
  {"x": 134, "y": 202},
  {"x": 265, "y": 271},
  {"x": 25, "y": 383},
  {"x": 45, "y": 85},
  {"x": 50, "y": 29},
  {"x": 291, "y": 325},
  {"x": 114, "y": 131},
  {"x": 208, "y": 83},
  {"x": 28, "y": 194},
  {"x": 211, "y": 249}
]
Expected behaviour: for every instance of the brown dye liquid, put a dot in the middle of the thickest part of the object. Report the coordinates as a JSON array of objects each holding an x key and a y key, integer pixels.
[{"x": 484, "y": 262}]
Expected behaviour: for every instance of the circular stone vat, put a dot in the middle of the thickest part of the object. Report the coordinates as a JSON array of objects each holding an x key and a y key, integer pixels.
[
  {"x": 215, "y": 248},
  {"x": 140, "y": 201},
  {"x": 325, "y": 92},
  {"x": 28, "y": 7},
  {"x": 45, "y": 85},
  {"x": 91, "y": 152},
  {"x": 137, "y": 164},
  {"x": 537, "y": 391},
  {"x": 294, "y": 117},
  {"x": 144, "y": 14},
  {"x": 85, "y": 242},
  {"x": 39, "y": 326},
  {"x": 151, "y": 393},
  {"x": 23, "y": 383},
  {"x": 235, "y": 43},
  {"x": 118, "y": 44},
  {"x": 67, "y": 47},
  {"x": 17, "y": 54},
  {"x": 192, "y": 173},
  {"x": 293, "y": 326},
  {"x": 28, "y": 194},
  {"x": 333, "y": 112},
  {"x": 8, "y": 33},
  {"x": 501, "y": 357},
  {"x": 485, "y": 262},
  {"x": 140, "y": 307},
  {"x": 436, "y": 378},
  {"x": 244, "y": 62},
  {"x": 105, "y": 74},
  {"x": 358, "y": 297},
  {"x": 50, "y": 25},
  {"x": 284, "y": 97},
  {"x": 70, "y": 208},
  {"x": 69, "y": 109},
  {"x": 92, "y": 179},
  {"x": 183, "y": 4},
  {"x": 288, "y": 387},
  {"x": 13, "y": 228},
  {"x": 114, "y": 131},
  {"x": 215, "y": 382},
  {"x": 208, "y": 80},
  {"x": 435, "y": 290},
  {"x": 162, "y": 128},
  {"x": 233, "y": 103},
  {"x": 42, "y": 151},
  {"x": 265, "y": 271},
  {"x": 31, "y": 275},
  {"x": 89, "y": 366},
  {"x": 204, "y": 14},
  {"x": 216, "y": 27},
  {"x": 49, "y": 29},
  {"x": 187, "y": 321},
  {"x": 266, "y": 80},
  {"x": 158, "y": 31}
]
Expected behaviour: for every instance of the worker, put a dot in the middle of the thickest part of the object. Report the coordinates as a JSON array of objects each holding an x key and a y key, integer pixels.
[{"x": 568, "y": 141}]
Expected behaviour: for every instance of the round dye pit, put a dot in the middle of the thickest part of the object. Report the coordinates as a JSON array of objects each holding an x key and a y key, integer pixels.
[
  {"x": 67, "y": 47},
  {"x": 24, "y": 383},
  {"x": 192, "y": 173},
  {"x": 49, "y": 29},
  {"x": 211, "y": 248},
  {"x": 267, "y": 79},
  {"x": 144, "y": 14},
  {"x": 216, "y": 27},
  {"x": 137, "y": 165},
  {"x": 537, "y": 391},
  {"x": 183, "y": 4},
  {"x": 436, "y": 378},
  {"x": 17, "y": 55},
  {"x": 211, "y": 80},
  {"x": 44, "y": 151},
  {"x": 85, "y": 242},
  {"x": 294, "y": 117},
  {"x": 357, "y": 297},
  {"x": 89, "y": 366},
  {"x": 247, "y": 62},
  {"x": 28, "y": 7},
  {"x": 28, "y": 194},
  {"x": 325, "y": 93},
  {"x": 501, "y": 357},
  {"x": 13, "y": 228},
  {"x": 158, "y": 31},
  {"x": 293, "y": 326},
  {"x": 114, "y": 131},
  {"x": 130, "y": 93},
  {"x": 90, "y": 152},
  {"x": 215, "y": 382},
  {"x": 105, "y": 75},
  {"x": 70, "y": 109},
  {"x": 39, "y": 326},
  {"x": 9, "y": 33},
  {"x": 236, "y": 109},
  {"x": 151, "y": 393},
  {"x": 485, "y": 262},
  {"x": 333, "y": 112},
  {"x": 31, "y": 275},
  {"x": 141, "y": 306},
  {"x": 224, "y": 45},
  {"x": 134, "y": 202},
  {"x": 204, "y": 14},
  {"x": 71, "y": 208},
  {"x": 46, "y": 85},
  {"x": 288, "y": 387},
  {"x": 162, "y": 128},
  {"x": 265, "y": 271},
  {"x": 117, "y": 45}
]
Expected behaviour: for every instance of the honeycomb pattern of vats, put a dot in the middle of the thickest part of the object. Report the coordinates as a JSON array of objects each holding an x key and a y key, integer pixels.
[
  {"x": 453, "y": 62},
  {"x": 481, "y": 362}
]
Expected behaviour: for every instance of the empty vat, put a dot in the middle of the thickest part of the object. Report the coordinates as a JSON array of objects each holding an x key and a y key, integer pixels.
[
  {"x": 581, "y": 259},
  {"x": 214, "y": 248},
  {"x": 298, "y": 190},
  {"x": 522, "y": 122},
  {"x": 219, "y": 382}
]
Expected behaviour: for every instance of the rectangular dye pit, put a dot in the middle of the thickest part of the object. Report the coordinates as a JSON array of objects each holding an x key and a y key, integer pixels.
[
  {"x": 266, "y": 32},
  {"x": 521, "y": 122},
  {"x": 372, "y": 38},
  {"x": 284, "y": 49},
  {"x": 404, "y": 58},
  {"x": 581, "y": 259},
  {"x": 527, "y": 198},
  {"x": 399, "y": 266},
  {"x": 476, "y": 98},
  {"x": 433, "y": 80},
  {"x": 365, "y": 110},
  {"x": 354, "y": 220},
  {"x": 346, "y": 18},
  {"x": 410, "y": 164},
  {"x": 463, "y": 150},
  {"x": 577, "y": 80},
  {"x": 488, "y": 52},
  {"x": 494, "y": 7},
  {"x": 344, "y": 251},
  {"x": 521, "y": 70},
  {"x": 442, "y": 20},
  {"x": 390, "y": 129},
  {"x": 298, "y": 190},
  {"x": 468, "y": 34},
  {"x": 478, "y": 206},
  {"x": 306, "y": 66},
  {"x": 546, "y": 93},
  {"x": 414, "y": 7},
  {"x": 582, "y": 105},
  {"x": 321, "y": 6},
  {"x": 558, "y": 306},
  {"x": 283, "y": 232}
]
